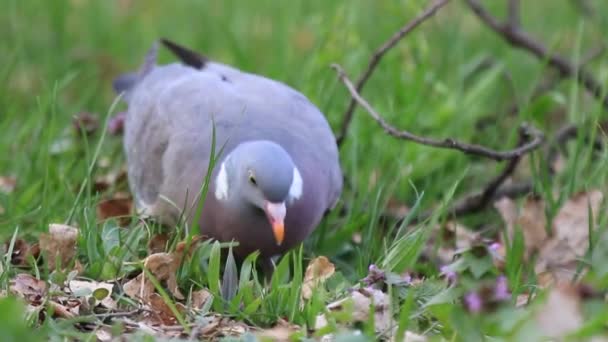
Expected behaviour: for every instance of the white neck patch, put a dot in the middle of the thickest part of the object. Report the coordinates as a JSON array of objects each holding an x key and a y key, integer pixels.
[
  {"x": 295, "y": 190},
  {"x": 221, "y": 183}
]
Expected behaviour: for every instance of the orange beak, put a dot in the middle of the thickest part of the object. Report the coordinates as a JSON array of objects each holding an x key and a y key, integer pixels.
[{"x": 276, "y": 216}]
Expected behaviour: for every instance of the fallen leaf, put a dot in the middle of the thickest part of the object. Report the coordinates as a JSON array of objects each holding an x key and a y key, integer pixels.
[
  {"x": 22, "y": 251},
  {"x": 7, "y": 184},
  {"x": 530, "y": 219},
  {"x": 103, "y": 334},
  {"x": 361, "y": 300},
  {"x": 561, "y": 253},
  {"x": 61, "y": 311},
  {"x": 158, "y": 243},
  {"x": 112, "y": 179},
  {"x": 199, "y": 298},
  {"x": 163, "y": 267},
  {"x": 317, "y": 271},
  {"x": 571, "y": 224},
  {"x": 561, "y": 313},
  {"x": 59, "y": 244},
  {"x": 28, "y": 287},
  {"x": 93, "y": 289},
  {"x": 162, "y": 312},
  {"x": 139, "y": 288},
  {"x": 455, "y": 237},
  {"x": 281, "y": 332},
  {"x": 119, "y": 206}
]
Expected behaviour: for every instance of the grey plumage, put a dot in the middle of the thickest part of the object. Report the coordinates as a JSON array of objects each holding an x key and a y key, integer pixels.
[{"x": 172, "y": 110}]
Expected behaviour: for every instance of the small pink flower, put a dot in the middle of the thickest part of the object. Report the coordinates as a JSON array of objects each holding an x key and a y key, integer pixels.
[
  {"x": 501, "y": 289},
  {"x": 116, "y": 124},
  {"x": 449, "y": 274},
  {"x": 473, "y": 302}
]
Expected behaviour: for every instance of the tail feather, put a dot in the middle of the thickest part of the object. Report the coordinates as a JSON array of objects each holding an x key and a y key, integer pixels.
[{"x": 185, "y": 55}]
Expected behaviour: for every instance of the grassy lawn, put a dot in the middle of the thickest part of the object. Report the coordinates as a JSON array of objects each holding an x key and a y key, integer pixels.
[{"x": 436, "y": 275}]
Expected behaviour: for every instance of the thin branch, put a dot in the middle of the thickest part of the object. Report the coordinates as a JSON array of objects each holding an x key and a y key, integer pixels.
[
  {"x": 535, "y": 137},
  {"x": 520, "y": 39},
  {"x": 514, "y": 19},
  {"x": 377, "y": 56}
]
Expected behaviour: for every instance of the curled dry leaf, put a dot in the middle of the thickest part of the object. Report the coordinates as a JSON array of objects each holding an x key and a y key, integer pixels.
[
  {"x": 158, "y": 243},
  {"x": 22, "y": 251},
  {"x": 199, "y": 298},
  {"x": 161, "y": 312},
  {"x": 163, "y": 267},
  {"x": 561, "y": 313},
  {"x": 317, "y": 271},
  {"x": 119, "y": 206},
  {"x": 28, "y": 287},
  {"x": 59, "y": 244},
  {"x": 7, "y": 184}
]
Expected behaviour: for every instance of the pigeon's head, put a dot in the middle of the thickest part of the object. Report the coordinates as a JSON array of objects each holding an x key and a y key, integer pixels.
[{"x": 260, "y": 175}]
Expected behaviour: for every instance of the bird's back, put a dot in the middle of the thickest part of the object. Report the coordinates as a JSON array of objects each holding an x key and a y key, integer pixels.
[{"x": 174, "y": 109}]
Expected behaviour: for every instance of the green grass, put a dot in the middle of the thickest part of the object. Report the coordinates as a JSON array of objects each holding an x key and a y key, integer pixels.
[{"x": 59, "y": 57}]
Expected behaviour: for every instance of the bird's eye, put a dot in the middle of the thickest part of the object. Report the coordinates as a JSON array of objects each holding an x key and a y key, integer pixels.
[{"x": 252, "y": 178}]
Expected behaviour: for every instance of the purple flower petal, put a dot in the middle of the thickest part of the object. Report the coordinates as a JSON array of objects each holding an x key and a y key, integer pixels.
[
  {"x": 473, "y": 302},
  {"x": 449, "y": 274},
  {"x": 501, "y": 289},
  {"x": 116, "y": 123}
]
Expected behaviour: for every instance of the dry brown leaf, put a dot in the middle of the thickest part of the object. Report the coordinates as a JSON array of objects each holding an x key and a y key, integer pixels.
[
  {"x": 361, "y": 301},
  {"x": 454, "y": 237},
  {"x": 199, "y": 298},
  {"x": 112, "y": 179},
  {"x": 138, "y": 288},
  {"x": 558, "y": 254},
  {"x": 119, "y": 206},
  {"x": 561, "y": 313},
  {"x": 103, "y": 334},
  {"x": 561, "y": 253},
  {"x": 59, "y": 244},
  {"x": 22, "y": 251},
  {"x": 162, "y": 312},
  {"x": 158, "y": 243},
  {"x": 281, "y": 332},
  {"x": 28, "y": 287},
  {"x": 571, "y": 224},
  {"x": 163, "y": 267},
  {"x": 317, "y": 271},
  {"x": 7, "y": 184}
]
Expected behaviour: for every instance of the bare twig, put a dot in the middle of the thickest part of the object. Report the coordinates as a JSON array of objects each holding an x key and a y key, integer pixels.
[
  {"x": 514, "y": 20},
  {"x": 536, "y": 137},
  {"x": 520, "y": 39},
  {"x": 377, "y": 56}
]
